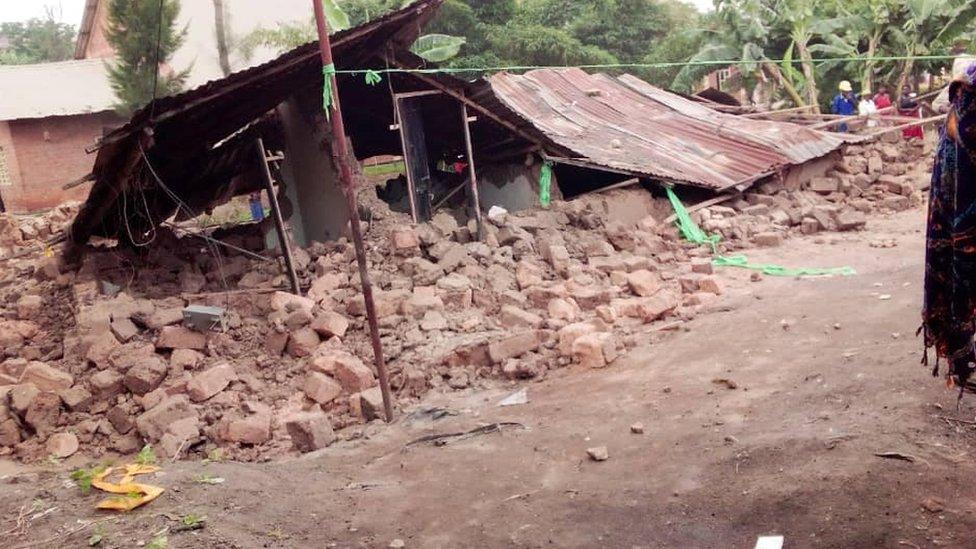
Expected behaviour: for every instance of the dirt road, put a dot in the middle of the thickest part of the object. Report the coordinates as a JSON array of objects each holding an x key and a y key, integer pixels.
[{"x": 825, "y": 375}]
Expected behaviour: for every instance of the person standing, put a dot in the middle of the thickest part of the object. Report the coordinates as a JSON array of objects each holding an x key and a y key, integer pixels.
[
  {"x": 949, "y": 305},
  {"x": 908, "y": 106},
  {"x": 844, "y": 104},
  {"x": 881, "y": 99},
  {"x": 868, "y": 109}
]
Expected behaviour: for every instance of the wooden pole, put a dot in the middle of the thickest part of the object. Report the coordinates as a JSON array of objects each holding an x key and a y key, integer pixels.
[
  {"x": 476, "y": 201},
  {"x": 340, "y": 151},
  {"x": 276, "y": 212}
]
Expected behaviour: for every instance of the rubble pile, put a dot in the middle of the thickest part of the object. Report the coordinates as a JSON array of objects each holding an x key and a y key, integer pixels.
[
  {"x": 20, "y": 233},
  {"x": 869, "y": 178},
  {"x": 100, "y": 359}
]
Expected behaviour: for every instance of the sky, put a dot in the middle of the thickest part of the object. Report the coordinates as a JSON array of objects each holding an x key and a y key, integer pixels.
[{"x": 70, "y": 10}]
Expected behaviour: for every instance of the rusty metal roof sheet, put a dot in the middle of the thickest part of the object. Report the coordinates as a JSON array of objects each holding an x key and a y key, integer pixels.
[{"x": 627, "y": 125}]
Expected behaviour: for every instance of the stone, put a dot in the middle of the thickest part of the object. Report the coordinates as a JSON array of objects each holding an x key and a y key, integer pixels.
[
  {"x": 875, "y": 165},
  {"x": 637, "y": 428},
  {"x": 824, "y": 185},
  {"x": 62, "y": 445},
  {"x": 648, "y": 309},
  {"x": 851, "y": 220},
  {"x": 432, "y": 321},
  {"x": 160, "y": 317},
  {"x": 153, "y": 423},
  {"x": 513, "y": 346},
  {"x": 371, "y": 404},
  {"x": 310, "y": 431},
  {"x": 101, "y": 348},
  {"x": 121, "y": 420},
  {"x": 211, "y": 381},
  {"x": 643, "y": 283},
  {"x": 598, "y": 453},
  {"x": 897, "y": 203},
  {"x": 106, "y": 384},
  {"x": 326, "y": 284},
  {"x": 178, "y": 436},
  {"x": 303, "y": 342},
  {"x": 595, "y": 350},
  {"x": 387, "y": 303},
  {"x": 528, "y": 274},
  {"x": 513, "y": 317},
  {"x": 417, "y": 305},
  {"x": 21, "y": 396},
  {"x": 702, "y": 265},
  {"x": 330, "y": 324},
  {"x": 348, "y": 370},
  {"x": 563, "y": 309},
  {"x": 321, "y": 388},
  {"x": 124, "y": 329},
  {"x": 298, "y": 319},
  {"x": 284, "y": 301},
  {"x": 178, "y": 337},
  {"x": 44, "y": 413},
  {"x": 76, "y": 399},
  {"x": 710, "y": 285},
  {"x": 253, "y": 429},
  {"x": 276, "y": 342},
  {"x": 29, "y": 307},
  {"x": 185, "y": 359},
  {"x": 404, "y": 241},
  {"x": 809, "y": 225},
  {"x": 145, "y": 375},
  {"x": 9, "y": 433},
  {"x": 45, "y": 377},
  {"x": 444, "y": 223},
  {"x": 453, "y": 258},
  {"x": 769, "y": 239}
]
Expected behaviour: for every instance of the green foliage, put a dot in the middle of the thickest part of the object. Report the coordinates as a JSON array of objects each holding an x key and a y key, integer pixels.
[
  {"x": 84, "y": 477},
  {"x": 541, "y": 45},
  {"x": 146, "y": 456},
  {"x": 437, "y": 48},
  {"x": 37, "y": 41},
  {"x": 134, "y": 26},
  {"x": 159, "y": 541}
]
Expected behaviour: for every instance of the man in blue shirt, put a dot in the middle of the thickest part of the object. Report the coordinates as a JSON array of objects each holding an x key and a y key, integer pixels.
[{"x": 844, "y": 104}]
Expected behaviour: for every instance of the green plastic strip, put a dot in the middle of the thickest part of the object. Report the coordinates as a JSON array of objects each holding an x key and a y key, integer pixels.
[
  {"x": 328, "y": 94},
  {"x": 545, "y": 184},
  {"x": 373, "y": 78},
  {"x": 693, "y": 233}
]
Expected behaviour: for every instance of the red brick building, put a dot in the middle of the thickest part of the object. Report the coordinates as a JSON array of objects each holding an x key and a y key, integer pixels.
[{"x": 49, "y": 113}]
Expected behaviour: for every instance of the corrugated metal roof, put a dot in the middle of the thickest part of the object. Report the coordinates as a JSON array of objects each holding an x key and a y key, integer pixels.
[
  {"x": 625, "y": 124},
  {"x": 54, "y": 89}
]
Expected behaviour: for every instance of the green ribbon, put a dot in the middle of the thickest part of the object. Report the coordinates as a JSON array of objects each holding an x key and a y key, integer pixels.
[
  {"x": 693, "y": 233},
  {"x": 545, "y": 184},
  {"x": 328, "y": 94},
  {"x": 372, "y": 77}
]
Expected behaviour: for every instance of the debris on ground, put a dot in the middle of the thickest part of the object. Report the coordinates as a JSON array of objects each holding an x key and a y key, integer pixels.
[
  {"x": 107, "y": 355},
  {"x": 598, "y": 453}
]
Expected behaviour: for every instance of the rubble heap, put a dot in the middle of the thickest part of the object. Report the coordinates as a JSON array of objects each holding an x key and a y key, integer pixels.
[{"x": 100, "y": 357}]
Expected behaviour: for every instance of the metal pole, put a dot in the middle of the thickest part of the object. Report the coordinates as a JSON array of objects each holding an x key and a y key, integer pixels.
[
  {"x": 340, "y": 151},
  {"x": 474, "y": 179},
  {"x": 276, "y": 212}
]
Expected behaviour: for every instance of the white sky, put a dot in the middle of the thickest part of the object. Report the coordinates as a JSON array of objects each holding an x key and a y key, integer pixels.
[{"x": 68, "y": 11}]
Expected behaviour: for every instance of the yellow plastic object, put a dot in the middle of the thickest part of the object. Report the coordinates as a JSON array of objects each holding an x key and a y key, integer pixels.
[{"x": 134, "y": 494}]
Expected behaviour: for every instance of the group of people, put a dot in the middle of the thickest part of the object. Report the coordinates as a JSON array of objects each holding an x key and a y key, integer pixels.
[{"x": 847, "y": 103}]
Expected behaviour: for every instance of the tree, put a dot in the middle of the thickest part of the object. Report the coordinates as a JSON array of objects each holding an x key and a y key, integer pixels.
[
  {"x": 930, "y": 26},
  {"x": 145, "y": 38},
  {"x": 625, "y": 28},
  {"x": 38, "y": 41}
]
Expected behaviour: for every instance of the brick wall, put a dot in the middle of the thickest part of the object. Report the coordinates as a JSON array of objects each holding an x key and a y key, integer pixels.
[{"x": 45, "y": 153}]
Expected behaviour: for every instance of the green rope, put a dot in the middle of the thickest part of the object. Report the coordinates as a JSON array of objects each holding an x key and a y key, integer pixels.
[
  {"x": 693, "y": 233},
  {"x": 545, "y": 184},
  {"x": 373, "y": 78},
  {"x": 662, "y": 65},
  {"x": 328, "y": 94}
]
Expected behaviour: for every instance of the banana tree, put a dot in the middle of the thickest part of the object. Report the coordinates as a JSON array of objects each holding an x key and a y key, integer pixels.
[
  {"x": 741, "y": 32},
  {"x": 806, "y": 21},
  {"x": 866, "y": 26},
  {"x": 930, "y": 27}
]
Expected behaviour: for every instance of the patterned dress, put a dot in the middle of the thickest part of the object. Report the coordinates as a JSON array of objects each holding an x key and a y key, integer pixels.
[{"x": 950, "y": 256}]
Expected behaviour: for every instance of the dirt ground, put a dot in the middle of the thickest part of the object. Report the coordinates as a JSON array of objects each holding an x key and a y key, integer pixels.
[{"x": 825, "y": 373}]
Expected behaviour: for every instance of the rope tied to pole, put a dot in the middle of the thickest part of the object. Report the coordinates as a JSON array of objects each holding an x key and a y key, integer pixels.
[{"x": 328, "y": 94}]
